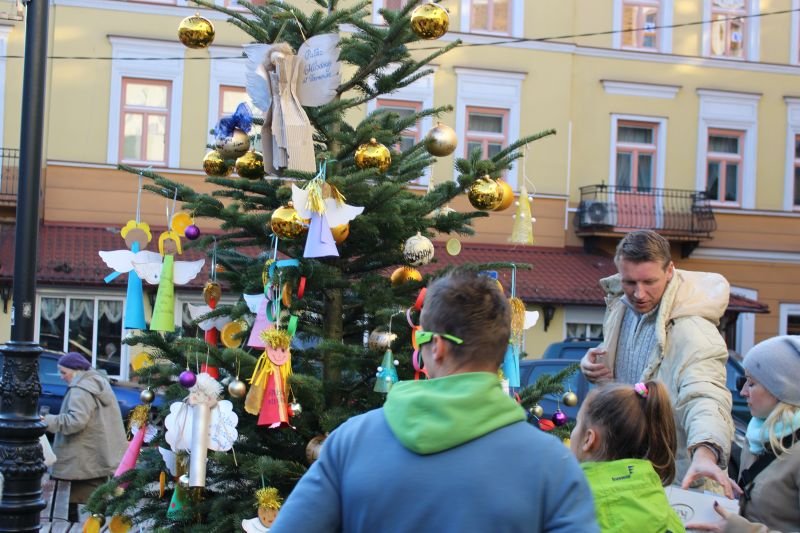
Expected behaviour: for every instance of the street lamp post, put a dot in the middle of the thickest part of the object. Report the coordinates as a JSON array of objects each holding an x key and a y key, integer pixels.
[{"x": 21, "y": 460}]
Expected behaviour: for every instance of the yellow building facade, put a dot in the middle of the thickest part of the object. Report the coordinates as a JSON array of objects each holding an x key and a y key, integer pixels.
[{"x": 695, "y": 102}]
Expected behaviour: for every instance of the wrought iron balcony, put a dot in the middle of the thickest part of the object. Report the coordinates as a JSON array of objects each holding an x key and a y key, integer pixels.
[
  {"x": 678, "y": 214},
  {"x": 9, "y": 176}
]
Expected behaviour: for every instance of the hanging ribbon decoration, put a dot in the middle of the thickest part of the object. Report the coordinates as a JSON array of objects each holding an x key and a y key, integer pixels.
[
  {"x": 212, "y": 293},
  {"x": 514, "y": 350}
]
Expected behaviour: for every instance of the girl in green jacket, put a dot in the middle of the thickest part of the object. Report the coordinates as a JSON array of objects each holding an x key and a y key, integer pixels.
[{"x": 625, "y": 439}]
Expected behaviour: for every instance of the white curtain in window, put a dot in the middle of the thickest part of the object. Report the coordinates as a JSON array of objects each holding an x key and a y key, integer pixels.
[
  {"x": 111, "y": 309},
  {"x": 52, "y": 308},
  {"x": 79, "y": 308}
]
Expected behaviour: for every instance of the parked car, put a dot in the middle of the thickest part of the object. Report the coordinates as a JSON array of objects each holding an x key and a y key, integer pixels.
[
  {"x": 54, "y": 388},
  {"x": 576, "y": 349},
  {"x": 532, "y": 369}
]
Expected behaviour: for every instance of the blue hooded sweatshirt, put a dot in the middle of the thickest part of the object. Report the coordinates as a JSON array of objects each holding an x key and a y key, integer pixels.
[{"x": 451, "y": 454}]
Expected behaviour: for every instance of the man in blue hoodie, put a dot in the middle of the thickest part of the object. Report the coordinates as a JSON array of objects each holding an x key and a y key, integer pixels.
[{"x": 449, "y": 454}]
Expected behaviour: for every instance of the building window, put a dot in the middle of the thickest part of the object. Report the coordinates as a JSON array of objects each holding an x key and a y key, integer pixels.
[
  {"x": 490, "y": 16},
  {"x": 789, "y": 319},
  {"x": 639, "y": 24},
  {"x": 394, "y": 5},
  {"x": 233, "y": 4},
  {"x": 728, "y": 28},
  {"x": 229, "y": 98},
  {"x": 636, "y": 156},
  {"x": 581, "y": 331},
  {"x": 487, "y": 130},
  {"x": 724, "y": 165},
  {"x": 796, "y": 195},
  {"x": 411, "y": 135},
  {"x": 144, "y": 124},
  {"x": 145, "y": 120},
  {"x": 91, "y": 326}
]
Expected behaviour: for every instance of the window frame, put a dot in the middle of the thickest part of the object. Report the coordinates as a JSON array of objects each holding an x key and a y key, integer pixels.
[
  {"x": 485, "y": 137},
  {"x": 636, "y": 149},
  {"x": 516, "y": 18},
  {"x": 726, "y": 110},
  {"x": 663, "y": 32},
  {"x": 726, "y": 157},
  {"x": 792, "y": 132},
  {"x": 171, "y": 71},
  {"x": 639, "y": 24},
  {"x": 750, "y": 40},
  {"x": 787, "y": 310},
  {"x": 794, "y": 41},
  {"x": 490, "y": 89},
  {"x": 415, "y": 106},
  {"x": 490, "y": 17},
  {"x": 230, "y": 73},
  {"x": 582, "y": 314},
  {"x": 145, "y": 112}
]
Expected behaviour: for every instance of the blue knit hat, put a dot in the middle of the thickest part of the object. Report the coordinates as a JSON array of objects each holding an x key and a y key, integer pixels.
[
  {"x": 775, "y": 363},
  {"x": 74, "y": 361}
]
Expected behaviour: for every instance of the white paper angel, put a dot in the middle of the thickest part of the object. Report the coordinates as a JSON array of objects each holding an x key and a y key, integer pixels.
[
  {"x": 280, "y": 83},
  {"x": 201, "y": 423},
  {"x": 218, "y": 322},
  {"x": 320, "y": 241}
]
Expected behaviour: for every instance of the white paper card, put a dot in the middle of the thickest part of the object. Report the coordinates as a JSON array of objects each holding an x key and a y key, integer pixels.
[{"x": 694, "y": 506}]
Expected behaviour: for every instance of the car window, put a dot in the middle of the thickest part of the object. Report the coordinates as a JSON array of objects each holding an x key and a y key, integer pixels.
[
  {"x": 48, "y": 372},
  {"x": 571, "y": 383}
]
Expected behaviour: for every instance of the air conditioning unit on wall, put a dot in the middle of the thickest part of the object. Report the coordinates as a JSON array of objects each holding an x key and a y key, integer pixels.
[{"x": 597, "y": 213}]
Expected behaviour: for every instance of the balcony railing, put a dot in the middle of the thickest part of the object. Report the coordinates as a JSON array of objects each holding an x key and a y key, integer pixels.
[
  {"x": 9, "y": 175},
  {"x": 679, "y": 214}
]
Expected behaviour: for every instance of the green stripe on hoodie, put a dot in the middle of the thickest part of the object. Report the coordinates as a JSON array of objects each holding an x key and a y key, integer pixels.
[{"x": 434, "y": 415}]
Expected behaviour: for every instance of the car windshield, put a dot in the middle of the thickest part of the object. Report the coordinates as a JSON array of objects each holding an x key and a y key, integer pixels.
[{"x": 571, "y": 383}]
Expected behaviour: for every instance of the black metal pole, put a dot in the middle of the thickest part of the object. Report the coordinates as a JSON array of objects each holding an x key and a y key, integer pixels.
[{"x": 21, "y": 460}]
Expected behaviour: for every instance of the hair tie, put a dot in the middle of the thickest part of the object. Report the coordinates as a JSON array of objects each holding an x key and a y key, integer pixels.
[{"x": 641, "y": 389}]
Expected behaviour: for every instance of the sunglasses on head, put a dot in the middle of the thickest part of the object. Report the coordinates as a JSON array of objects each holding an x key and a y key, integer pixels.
[{"x": 424, "y": 337}]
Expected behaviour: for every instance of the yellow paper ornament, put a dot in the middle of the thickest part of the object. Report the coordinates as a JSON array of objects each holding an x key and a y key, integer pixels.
[
  {"x": 141, "y": 360},
  {"x": 230, "y": 334},
  {"x": 215, "y": 165},
  {"x": 286, "y": 223},
  {"x": 441, "y": 140},
  {"x": 404, "y": 274},
  {"x": 373, "y": 155},
  {"x": 429, "y": 21},
  {"x": 453, "y": 246},
  {"x": 522, "y": 231},
  {"x": 251, "y": 165},
  {"x": 485, "y": 194},
  {"x": 196, "y": 31},
  {"x": 94, "y": 523}
]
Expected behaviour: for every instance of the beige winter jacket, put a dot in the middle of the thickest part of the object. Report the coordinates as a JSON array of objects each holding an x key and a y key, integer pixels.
[
  {"x": 90, "y": 438},
  {"x": 775, "y": 497},
  {"x": 690, "y": 357}
]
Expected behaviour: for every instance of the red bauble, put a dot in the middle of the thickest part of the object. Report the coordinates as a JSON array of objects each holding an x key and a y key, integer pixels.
[{"x": 546, "y": 425}]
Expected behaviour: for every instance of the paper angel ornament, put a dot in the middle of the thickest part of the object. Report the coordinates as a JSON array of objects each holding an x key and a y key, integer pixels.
[
  {"x": 267, "y": 396},
  {"x": 280, "y": 83},
  {"x": 324, "y": 215},
  {"x": 166, "y": 274},
  {"x": 269, "y": 503},
  {"x": 137, "y": 236},
  {"x": 257, "y": 303},
  {"x": 201, "y": 423},
  {"x": 142, "y": 432},
  {"x": 218, "y": 322}
]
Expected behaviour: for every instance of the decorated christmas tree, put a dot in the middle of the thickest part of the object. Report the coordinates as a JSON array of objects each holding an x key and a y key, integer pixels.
[{"x": 312, "y": 289}]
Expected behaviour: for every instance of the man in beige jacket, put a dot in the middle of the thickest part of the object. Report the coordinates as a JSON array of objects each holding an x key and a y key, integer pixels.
[{"x": 660, "y": 323}]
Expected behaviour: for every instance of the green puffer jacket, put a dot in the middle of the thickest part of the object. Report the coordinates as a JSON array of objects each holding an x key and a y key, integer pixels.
[
  {"x": 689, "y": 358},
  {"x": 90, "y": 438},
  {"x": 628, "y": 496}
]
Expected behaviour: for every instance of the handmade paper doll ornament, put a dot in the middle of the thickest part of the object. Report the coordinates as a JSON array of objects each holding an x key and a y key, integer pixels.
[
  {"x": 280, "y": 83},
  {"x": 257, "y": 303},
  {"x": 166, "y": 274},
  {"x": 141, "y": 432},
  {"x": 200, "y": 423},
  {"x": 325, "y": 213},
  {"x": 268, "y": 502},
  {"x": 267, "y": 396}
]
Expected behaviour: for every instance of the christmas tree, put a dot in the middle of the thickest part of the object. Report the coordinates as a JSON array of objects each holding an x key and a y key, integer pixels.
[{"x": 322, "y": 295}]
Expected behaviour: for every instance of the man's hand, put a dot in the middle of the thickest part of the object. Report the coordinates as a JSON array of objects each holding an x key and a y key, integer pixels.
[
  {"x": 593, "y": 366},
  {"x": 704, "y": 464}
]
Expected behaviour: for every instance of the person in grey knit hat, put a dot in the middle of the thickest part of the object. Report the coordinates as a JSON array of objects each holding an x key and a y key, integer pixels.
[{"x": 770, "y": 462}]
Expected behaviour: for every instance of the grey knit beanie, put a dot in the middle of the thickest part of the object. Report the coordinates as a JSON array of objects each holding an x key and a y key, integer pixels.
[{"x": 775, "y": 363}]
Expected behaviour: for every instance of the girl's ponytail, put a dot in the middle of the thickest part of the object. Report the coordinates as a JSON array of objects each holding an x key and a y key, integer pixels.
[{"x": 661, "y": 433}]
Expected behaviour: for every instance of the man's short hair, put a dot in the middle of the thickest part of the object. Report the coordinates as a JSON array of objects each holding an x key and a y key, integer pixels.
[
  {"x": 473, "y": 308},
  {"x": 643, "y": 246}
]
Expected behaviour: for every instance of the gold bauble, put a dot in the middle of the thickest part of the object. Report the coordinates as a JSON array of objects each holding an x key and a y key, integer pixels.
[
  {"x": 251, "y": 165},
  {"x": 286, "y": 223},
  {"x": 570, "y": 399},
  {"x": 485, "y": 194},
  {"x": 380, "y": 340},
  {"x": 373, "y": 154},
  {"x": 340, "y": 232},
  {"x": 537, "y": 411},
  {"x": 237, "y": 388},
  {"x": 508, "y": 195},
  {"x": 418, "y": 250},
  {"x": 314, "y": 447},
  {"x": 404, "y": 274},
  {"x": 234, "y": 146},
  {"x": 441, "y": 140},
  {"x": 429, "y": 21},
  {"x": 196, "y": 32},
  {"x": 212, "y": 292},
  {"x": 214, "y": 165}
]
